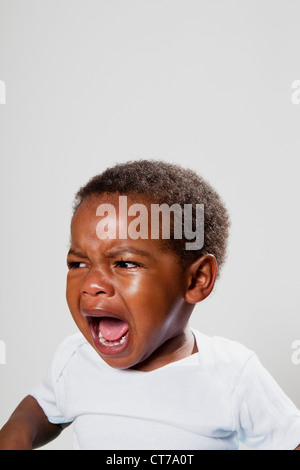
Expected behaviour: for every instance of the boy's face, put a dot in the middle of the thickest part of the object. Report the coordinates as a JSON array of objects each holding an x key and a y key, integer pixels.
[{"x": 129, "y": 291}]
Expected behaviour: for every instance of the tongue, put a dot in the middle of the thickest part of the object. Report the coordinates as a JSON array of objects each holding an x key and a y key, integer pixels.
[{"x": 112, "y": 328}]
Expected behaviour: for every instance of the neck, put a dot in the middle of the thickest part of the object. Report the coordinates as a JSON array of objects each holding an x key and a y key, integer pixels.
[{"x": 175, "y": 349}]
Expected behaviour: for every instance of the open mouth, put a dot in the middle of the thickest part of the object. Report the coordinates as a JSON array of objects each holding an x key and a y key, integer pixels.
[{"x": 110, "y": 335}]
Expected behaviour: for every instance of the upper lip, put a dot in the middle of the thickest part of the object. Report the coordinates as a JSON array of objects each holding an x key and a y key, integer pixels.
[{"x": 100, "y": 312}]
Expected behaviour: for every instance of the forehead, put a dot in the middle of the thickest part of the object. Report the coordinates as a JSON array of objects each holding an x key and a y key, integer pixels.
[
  {"x": 107, "y": 205},
  {"x": 103, "y": 219}
]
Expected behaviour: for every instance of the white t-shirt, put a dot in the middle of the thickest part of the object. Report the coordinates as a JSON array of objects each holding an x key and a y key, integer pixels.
[{"x": 210, "y": 400}]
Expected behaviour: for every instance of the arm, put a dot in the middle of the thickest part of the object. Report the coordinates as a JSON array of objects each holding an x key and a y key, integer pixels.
[{"x": 28, "y": 427}]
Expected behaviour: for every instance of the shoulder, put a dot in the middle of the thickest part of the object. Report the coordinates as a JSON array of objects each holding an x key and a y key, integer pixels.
[
  {"x": 214, "y": 348},
  {"x": 225, "y": 357},
  {"x": 66, "y": 351}
]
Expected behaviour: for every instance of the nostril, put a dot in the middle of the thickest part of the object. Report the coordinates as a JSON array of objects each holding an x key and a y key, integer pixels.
[
  {"x": 93, "y": 291},
  {"x": 96, "y": 285}
]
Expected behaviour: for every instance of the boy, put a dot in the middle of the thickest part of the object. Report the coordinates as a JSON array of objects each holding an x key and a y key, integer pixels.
[{"x": 137, "y": 376}]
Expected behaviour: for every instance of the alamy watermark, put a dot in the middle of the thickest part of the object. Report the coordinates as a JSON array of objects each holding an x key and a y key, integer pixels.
[
  {"x": 2, "y": 352},
  {"x": 2, "y": 92},
  {"x": 295, "y": 97},
  {"x": 145, "y": 225},
  {"x": 2, "y": 343},
  {"x": 296, "y": 354}
]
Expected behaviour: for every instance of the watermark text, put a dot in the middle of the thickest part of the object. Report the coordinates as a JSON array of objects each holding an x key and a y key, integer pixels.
[
  {"x": 296, "y": 354},
  {"x": 164, "y": 221},
  {"x": 295, "y": 97},
  {"x": 2, "y": 352},
  {"x": 2, "y": 92}
]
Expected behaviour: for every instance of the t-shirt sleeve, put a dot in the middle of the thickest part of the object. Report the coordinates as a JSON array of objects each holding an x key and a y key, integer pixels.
[
  {"x": 47, "y": 392},
  {"x": 266, "y": 418}
]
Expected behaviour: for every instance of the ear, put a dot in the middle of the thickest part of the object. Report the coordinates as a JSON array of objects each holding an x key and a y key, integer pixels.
[{"x": 201, "y": 278}]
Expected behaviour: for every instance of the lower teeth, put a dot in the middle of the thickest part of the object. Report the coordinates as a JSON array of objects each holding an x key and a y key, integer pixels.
[{"x": 111, "y": 343}]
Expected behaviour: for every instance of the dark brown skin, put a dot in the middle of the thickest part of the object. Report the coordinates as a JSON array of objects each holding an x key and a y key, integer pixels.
[
  {"x": 28, "y": 427},
  {"x": 149, "y": 290}
]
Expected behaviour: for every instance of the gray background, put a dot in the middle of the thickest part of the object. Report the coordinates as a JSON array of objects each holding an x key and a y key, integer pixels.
[{"x": 206, "y": 84}]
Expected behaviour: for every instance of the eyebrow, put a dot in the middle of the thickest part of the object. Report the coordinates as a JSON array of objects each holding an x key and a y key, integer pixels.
[
  {"x": 74, "y": 252},
  {"x": 136, "y": 251}
]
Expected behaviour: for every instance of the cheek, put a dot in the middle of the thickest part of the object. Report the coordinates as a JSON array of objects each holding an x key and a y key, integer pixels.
[
  {"x": 73, "y": 301},
  {"x": 72, "y": 294},
  {"x": 139, "y": 291},
  {"x": 156, "y": 290},
  {"x": 150, "y": 303}
]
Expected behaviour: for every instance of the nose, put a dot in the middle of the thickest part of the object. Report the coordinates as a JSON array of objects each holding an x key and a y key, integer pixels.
[{"x": 95, "y": 284}]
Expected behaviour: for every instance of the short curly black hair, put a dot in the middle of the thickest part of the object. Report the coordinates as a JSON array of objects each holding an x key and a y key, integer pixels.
[{"x": 162, "y": 182}]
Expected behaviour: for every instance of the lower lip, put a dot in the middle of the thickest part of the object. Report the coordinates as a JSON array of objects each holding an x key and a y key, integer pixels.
[{"x": 109, "y": 350}]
